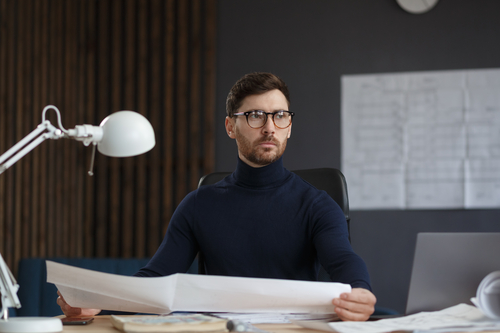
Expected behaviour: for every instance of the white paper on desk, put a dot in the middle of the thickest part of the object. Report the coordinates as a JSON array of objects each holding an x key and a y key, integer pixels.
[
  {"x": 457, "y": 318},
  {"x": 188, "y": 292}
]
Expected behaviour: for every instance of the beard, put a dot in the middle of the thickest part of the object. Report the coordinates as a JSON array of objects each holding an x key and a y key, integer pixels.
[{"x": 260, "y": 155}]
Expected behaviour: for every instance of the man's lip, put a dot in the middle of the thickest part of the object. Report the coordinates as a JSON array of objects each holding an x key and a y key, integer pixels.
[{"x": 267, "y": 143}]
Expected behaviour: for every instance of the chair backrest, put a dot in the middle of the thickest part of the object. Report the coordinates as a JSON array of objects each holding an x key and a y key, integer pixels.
[{"x": 330, "y": 180}]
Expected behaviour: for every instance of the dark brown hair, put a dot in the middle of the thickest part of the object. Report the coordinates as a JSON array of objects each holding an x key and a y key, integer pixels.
[{"x": 253, "y": 84}]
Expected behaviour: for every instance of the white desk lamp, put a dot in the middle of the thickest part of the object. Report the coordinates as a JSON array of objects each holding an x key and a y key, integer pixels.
[{"x": 121, "y": 134}]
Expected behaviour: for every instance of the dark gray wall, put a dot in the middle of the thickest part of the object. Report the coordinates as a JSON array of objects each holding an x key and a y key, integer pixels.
[{"x": 310, "y": 44}]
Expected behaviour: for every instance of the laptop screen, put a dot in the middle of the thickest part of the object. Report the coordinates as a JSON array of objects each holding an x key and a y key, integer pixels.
[{"x": 448, "y": 267}]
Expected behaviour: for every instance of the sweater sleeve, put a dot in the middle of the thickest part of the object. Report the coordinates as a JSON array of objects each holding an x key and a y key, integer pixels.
[
  {"x": 179, "y": 246},
  {"x": 331, "y": 240}
]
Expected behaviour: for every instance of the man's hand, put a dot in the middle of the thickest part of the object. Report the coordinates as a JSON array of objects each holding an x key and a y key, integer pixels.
[
  {"x": 70, "y": 311},
  {"x": 357, "y": 305}
]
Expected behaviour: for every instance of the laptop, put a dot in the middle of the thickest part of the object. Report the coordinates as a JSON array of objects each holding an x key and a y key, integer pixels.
[{"x": 448, "y": 267}]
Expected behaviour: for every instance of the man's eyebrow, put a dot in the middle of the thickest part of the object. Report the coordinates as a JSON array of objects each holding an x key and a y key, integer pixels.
[{"x": 276, "y": 110}]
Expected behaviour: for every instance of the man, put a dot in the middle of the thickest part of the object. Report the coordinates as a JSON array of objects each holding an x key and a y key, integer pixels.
[{"x": 262, "y": 220}]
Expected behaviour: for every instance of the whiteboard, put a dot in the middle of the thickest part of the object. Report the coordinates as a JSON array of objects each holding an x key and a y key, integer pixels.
[{"x": 422, "y": 140}]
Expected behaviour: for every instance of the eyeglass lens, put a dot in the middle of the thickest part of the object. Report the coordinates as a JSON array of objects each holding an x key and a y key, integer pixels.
[{"x": 282, "y": 119}]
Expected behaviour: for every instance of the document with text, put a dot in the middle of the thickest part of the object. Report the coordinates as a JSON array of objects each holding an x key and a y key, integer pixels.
[
  {"x": 458, "y": 318},
  {"x": 188, "y": 292}
]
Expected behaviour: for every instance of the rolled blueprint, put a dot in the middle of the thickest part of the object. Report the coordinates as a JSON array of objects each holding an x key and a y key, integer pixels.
[{"x": 488, "y": 295}]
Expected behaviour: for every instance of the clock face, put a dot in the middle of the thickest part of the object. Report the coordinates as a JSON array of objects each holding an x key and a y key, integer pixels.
[{"x": 417, "y": 6}]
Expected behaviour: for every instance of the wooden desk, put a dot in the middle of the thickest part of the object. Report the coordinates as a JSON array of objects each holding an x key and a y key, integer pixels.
[{"x": 102, "y": 324}]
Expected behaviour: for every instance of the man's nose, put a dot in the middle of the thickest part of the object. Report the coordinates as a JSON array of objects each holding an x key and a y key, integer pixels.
[{"x": 269, "y": 126}]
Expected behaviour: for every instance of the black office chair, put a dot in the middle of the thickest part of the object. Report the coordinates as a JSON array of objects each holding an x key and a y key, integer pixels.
[{"x": 331, "y": 180}]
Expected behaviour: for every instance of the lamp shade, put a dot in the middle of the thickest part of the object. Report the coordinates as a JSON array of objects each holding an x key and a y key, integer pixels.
[{"x": 126, "y": 133}]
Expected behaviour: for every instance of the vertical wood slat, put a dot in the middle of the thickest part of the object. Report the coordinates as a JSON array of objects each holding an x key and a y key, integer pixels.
[
  {"x": 43, "y": 86},
  {"x": 209, "y": 86},
  {"x": 56, "y": 93},
  {"x": 9, "y": 131},
  {"x": 168, "y": 123},
  {"x": 3, "y": 122},
  {"x": 28, "y": 125},
  {"x": 155, "y": 114},
  {"x": 181, "y": 111},
  {"x": 92, "y": 58},
  {"x": 7, "y": 41},
  {"x": 115, "y": 91},
  {"x": 80, "y": 95},
  {"x": 88, "y": 102},
  {"x": 195, "y": 111},
  {"x": 34, "y": 201},
  {"x": 128, "y": 179},
  {"x": 70, "y": 148},
  {"x": 142, "y": 107},
  {"x": 20, "y": 54},
  {"x": 104, "y": 101}
]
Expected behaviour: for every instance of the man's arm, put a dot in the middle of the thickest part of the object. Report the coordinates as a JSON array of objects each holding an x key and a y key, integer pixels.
[{"x": 343, "y": 265}]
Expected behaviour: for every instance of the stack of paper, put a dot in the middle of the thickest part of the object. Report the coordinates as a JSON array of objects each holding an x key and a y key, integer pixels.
[
  {"x": 488, "y": 295},
  {"x": 274, "y": 318}
]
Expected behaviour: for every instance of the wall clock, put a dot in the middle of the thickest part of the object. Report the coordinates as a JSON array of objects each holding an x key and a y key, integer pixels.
[{"x": 417, "y": 6}]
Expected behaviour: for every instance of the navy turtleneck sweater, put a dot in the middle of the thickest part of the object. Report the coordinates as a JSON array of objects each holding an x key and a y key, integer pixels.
[{"x": 260, "y": 222}]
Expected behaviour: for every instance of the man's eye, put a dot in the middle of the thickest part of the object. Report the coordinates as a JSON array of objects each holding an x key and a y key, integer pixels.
[
  {"x": 255, "y": 115},
  {"x": 279, "y": 115}
]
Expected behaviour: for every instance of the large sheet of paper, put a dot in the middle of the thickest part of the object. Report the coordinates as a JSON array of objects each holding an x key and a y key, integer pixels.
[
  {"x": 423, "y": 140},
  {"x": 459, "y": 318},
  {"x": 187, "y": 292}
]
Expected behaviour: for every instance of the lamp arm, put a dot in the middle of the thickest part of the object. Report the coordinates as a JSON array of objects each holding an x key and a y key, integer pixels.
[
  {"x": 28, "y": 143},
  {"x": 48, "y": 107}
]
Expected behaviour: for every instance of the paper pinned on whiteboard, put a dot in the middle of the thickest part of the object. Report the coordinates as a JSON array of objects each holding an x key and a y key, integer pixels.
[
  {"x": 420, "y": 140},
  {"x": 187, "y": 292}
]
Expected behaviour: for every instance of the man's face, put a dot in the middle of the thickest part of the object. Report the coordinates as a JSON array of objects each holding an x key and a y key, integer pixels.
[{"x": 260, "y": 146}]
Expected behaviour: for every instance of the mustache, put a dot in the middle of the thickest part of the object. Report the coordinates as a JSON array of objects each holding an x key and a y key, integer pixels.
[{"x": 269, "y": 138}]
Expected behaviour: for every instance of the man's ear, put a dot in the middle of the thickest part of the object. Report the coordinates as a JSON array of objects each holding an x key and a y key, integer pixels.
[
  {"x": 230, "y": 127},
  {"x": 289, "y": 132}
]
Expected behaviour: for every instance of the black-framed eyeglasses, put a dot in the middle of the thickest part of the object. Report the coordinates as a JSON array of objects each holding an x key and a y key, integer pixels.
[{"x": 258, "y": 118}]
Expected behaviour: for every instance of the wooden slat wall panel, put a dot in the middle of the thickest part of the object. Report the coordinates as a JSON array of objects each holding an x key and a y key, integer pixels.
[{"x": 91, "y": 58}]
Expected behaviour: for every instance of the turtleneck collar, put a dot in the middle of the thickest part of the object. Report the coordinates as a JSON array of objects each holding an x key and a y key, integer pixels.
[{"x": 264, "y": 177}]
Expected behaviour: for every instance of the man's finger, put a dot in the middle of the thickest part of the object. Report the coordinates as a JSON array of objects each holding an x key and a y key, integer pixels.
[
  {"x": 353, "y": 306},
  {"x": 359, "y": 295},
  {"x": 347, "y": 315}
]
